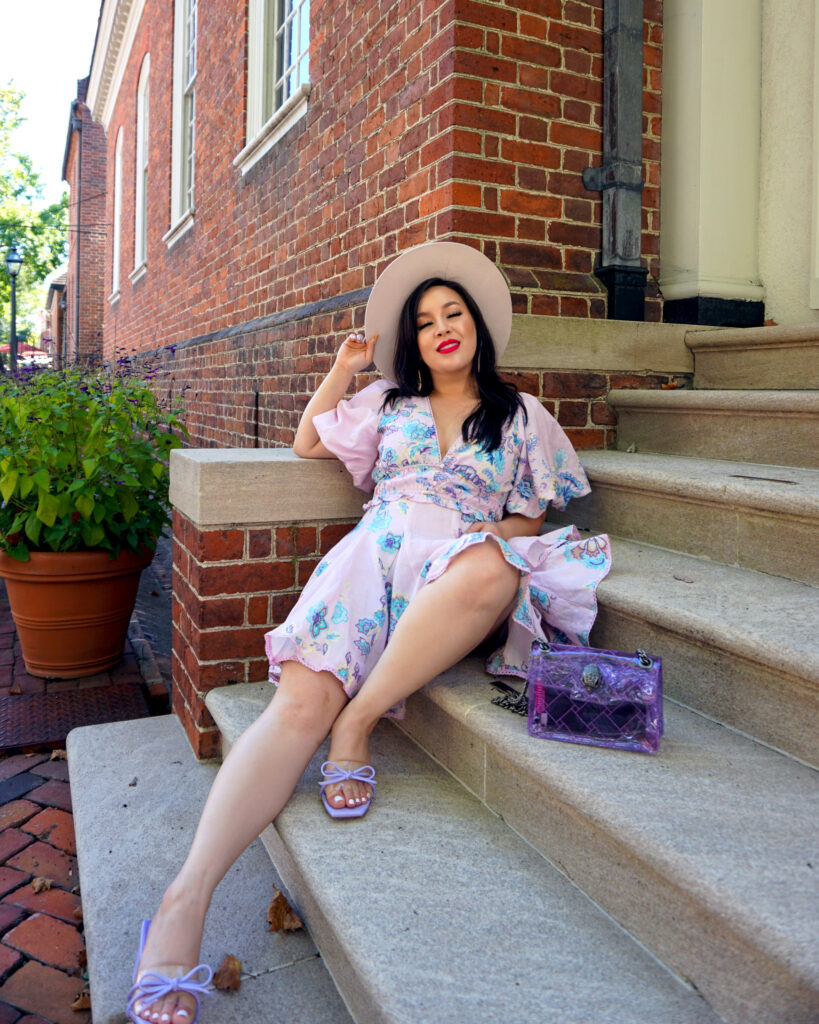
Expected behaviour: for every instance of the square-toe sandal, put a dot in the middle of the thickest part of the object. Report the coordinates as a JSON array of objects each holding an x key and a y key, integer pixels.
[
  {"x": 152, "y": 986},
  {"x": 332, "y": 774}
]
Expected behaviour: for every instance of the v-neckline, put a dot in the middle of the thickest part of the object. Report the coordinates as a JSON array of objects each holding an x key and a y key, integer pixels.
[{"x": 442, "y": 457}]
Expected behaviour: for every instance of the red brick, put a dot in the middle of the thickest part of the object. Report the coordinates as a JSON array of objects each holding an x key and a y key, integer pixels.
[
  {"x": 221, "y": 612},
  {"x": 224, "y": 643},
  {"x": 44, "y": 861},
  {"x": 586, "y": 437},
  {"x": 218, "y": 545},
  {"x": 16, "y": 812},
  {"x": 332, "y": 534},
  {"x": 570, "y": 384},
  {"x": 54, "y": 793},
  {"x": 12, "y": 841},
  {"x": 572, "y": 414},
  {"x": 45, "y": 991},
  {"x": 11, "y": 879},
  {"x": 9, "y": 915},
  {"x": 19, "y": 763},
  {"x": 603, "y": 414},
  {"x": 54, "y": 902},
  {"x": 9, "y": 959},
  {"x": 54, "y": 827},
  {"x": 259, "y": 544},
  {"x": 258, "y": 611},
  {"x": 244, "y": 578},
  {"x": 48, "y": 940}
]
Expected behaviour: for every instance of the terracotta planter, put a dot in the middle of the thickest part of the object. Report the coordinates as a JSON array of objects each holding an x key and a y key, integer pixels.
[{"x": 72, "y": 609}]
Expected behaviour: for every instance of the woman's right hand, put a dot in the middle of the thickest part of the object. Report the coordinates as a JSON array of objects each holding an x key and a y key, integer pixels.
[{"x": 355, "y": 353}]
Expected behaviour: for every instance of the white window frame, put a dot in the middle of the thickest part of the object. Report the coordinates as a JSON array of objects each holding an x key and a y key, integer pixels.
[
  {"x": 141, "y": 176},
  {"x": 117, "y": 218},
  {"x": 183, "y": 133},
  {"x": 266, "y": 123}
]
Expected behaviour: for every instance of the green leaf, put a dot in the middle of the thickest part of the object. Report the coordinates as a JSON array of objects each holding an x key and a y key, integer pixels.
[
  {"x": 41, "y": 478},
  {"x": 128, "y": 504},
  {"x": 89, "y": 466},
  {"x": 47, "y": 509},
  {"x": 85, "y": 505},
  {"x": 26, "y": 486},
  {"x": 92, "y": 535},
  {"x": 33, "y": 528},
  {"x": 8, "y": 483},
  {"x": 156, "y": 469}
]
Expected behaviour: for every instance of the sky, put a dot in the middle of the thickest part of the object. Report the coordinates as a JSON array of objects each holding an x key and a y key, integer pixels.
[{"x": 45, "y": 46}]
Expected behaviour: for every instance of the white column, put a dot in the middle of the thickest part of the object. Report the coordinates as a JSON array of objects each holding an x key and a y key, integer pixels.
[{"x": 710, "y": 149}]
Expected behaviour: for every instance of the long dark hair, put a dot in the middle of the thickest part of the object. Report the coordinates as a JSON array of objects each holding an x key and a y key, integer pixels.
[{"x": 499, "y": 401}]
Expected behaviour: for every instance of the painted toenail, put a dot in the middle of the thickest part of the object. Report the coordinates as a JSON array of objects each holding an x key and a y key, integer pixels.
[
  {"x": 165, "y": 1017},
  {"x": 182, "y": 1013}
]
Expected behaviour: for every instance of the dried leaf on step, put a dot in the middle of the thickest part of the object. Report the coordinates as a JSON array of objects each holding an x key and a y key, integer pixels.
[
  {"x": 40, "y": 884},
  {"x": 83, "y": 1001},
  {"x": 228, "y": 976},
  {"x": 15, "y": 689},
  {"x": 82, "y": 959},
  {"x": 280, "y": 915},
  {"x": 76, "y": 913},
  {"x": 58, "y": 755}
]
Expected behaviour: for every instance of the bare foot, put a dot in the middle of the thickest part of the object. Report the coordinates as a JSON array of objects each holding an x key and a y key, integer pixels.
[{"x": 172, "y": 949}]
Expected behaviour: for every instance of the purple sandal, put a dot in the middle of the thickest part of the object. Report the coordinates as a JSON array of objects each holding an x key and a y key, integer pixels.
[
  {"x": 332, "y": 774},
  {"x": 152, "y": 986}
]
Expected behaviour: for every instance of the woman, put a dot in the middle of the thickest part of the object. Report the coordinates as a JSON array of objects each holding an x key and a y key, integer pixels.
[{"x": 448, "y": 554}]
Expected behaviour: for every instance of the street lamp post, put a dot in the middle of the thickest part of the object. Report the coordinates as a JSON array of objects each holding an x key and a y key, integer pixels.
[{"x": 13, "y": 263}]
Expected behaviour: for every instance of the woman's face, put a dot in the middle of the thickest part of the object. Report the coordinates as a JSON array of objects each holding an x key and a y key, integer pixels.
[{"x": 447, "y": 337}]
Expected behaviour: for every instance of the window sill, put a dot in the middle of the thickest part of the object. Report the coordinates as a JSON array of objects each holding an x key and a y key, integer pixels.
[
  {"x": 182, "y": 226},
  {"x": 114, "y": 297},
  {"x": 278, "y": 125},
  {"x": 138, "y": 272}
]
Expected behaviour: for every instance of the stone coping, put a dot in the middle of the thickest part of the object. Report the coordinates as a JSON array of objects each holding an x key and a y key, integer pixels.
[
  {"x": 217, "y": 487},
  {"x": 730, "y": 339},
  {"x": 574, "y": 343}
]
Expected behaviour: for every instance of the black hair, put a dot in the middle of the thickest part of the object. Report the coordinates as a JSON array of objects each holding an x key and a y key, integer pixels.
[{"x": 499, "y": 401}]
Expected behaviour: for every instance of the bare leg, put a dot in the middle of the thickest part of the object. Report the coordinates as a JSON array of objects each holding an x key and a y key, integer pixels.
[
  {"x": 442, "y": 623},
  {"x": 254, "y": 783}
]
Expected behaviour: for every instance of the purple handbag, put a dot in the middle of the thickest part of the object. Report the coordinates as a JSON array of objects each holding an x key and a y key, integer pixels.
[{"x": 602, "y": 698}]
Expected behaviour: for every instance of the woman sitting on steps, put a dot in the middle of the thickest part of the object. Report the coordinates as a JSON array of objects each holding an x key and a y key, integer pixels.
[{"x": 448, "y": 553}]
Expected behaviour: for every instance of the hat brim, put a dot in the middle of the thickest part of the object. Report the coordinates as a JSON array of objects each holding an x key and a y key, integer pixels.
[{"x": 451, "y": 261}]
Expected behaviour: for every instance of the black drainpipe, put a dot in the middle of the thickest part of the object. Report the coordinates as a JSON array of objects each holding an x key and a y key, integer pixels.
[
  {"x": 76, "y": 124},
  {"x": 620, "y": 179}
]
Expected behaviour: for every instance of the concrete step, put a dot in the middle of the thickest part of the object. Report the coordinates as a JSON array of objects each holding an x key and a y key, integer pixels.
[
  {"x": 759, "y": 357},
  {"x": 705, "y": 853},
  {"x": 739, "y": 647},
  {"x": 137, "y": 792},
  {"x": 771, "y": 427},
  {"x": 756, "y": 516},
  {"x": 431, "y": 909}
]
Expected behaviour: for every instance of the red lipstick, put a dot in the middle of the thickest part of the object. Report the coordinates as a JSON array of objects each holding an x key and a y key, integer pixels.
[{"x": 448, "y": 346}]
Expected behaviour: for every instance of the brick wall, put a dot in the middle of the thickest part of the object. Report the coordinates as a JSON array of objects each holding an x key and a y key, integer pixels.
[
  {"x": 86, "y": 222},
  {"x": 451, "y": 119},
  {"x": 230, "y": 586}
]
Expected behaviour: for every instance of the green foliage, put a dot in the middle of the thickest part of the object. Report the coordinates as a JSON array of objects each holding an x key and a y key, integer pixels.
[
  {"x": 83, "y": 462},
  {"x": 39, "y": 230}
]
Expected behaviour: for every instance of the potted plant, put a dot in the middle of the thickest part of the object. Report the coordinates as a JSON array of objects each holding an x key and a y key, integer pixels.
[{"x": 84, "y": 490}]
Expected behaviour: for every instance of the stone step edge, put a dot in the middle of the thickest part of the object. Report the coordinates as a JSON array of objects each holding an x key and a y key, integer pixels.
[
  {"x": 738, "y": 641},
  {"x": 328, "y": 925},
  {"x": 686, "y": 476},
  {"x": 712, "y": 909},
  {"x": 741, "y": 338},
  {"x": 726, "y": 402}
]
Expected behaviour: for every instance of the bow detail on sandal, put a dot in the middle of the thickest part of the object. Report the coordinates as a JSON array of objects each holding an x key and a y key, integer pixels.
[
  {"x": 153, "y": 986},
  {"x": 331, "y": 775}
]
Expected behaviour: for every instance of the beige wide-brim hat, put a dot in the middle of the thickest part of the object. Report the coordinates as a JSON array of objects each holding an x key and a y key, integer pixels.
[{"x": 451, "y": 261}]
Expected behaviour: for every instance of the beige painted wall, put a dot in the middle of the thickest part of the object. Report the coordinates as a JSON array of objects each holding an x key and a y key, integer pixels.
[{"x": 788, "y": 174}]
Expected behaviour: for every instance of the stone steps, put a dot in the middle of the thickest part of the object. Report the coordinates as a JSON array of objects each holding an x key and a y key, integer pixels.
[
  {"x": 769, "y": 427},
  {"x": 137, "y": 793},
  {"x": 431, "y": 909},
  {"x": 759, "y": 357},
  {"x": 756, "y": 516},
  {"x": 705, "y": 853},
  {"x": 726, "y": 652}
]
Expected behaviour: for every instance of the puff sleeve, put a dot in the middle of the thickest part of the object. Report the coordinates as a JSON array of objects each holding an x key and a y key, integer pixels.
[
  {"x": 548, "y": 468},
  {"x": 350, "y": 432}
]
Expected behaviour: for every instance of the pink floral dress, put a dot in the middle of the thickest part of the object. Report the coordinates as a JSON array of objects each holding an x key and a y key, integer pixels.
[{"x": 414, "y": 525}]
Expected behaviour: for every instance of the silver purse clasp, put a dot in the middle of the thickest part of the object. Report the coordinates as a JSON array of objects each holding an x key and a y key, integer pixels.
[{"x": 592, "y": 677}]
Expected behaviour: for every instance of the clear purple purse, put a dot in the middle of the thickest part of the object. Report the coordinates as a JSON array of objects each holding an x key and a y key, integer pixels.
[{"x": 603, "y": 698}]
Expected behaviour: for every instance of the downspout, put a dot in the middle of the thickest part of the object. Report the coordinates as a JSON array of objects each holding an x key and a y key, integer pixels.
[
  {"x": 76, "y": 124},
  {"x": 620, "y": 179}
]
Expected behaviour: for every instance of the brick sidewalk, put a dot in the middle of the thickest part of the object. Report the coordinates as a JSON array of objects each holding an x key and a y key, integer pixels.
[{"x": 42, "y": 950}]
